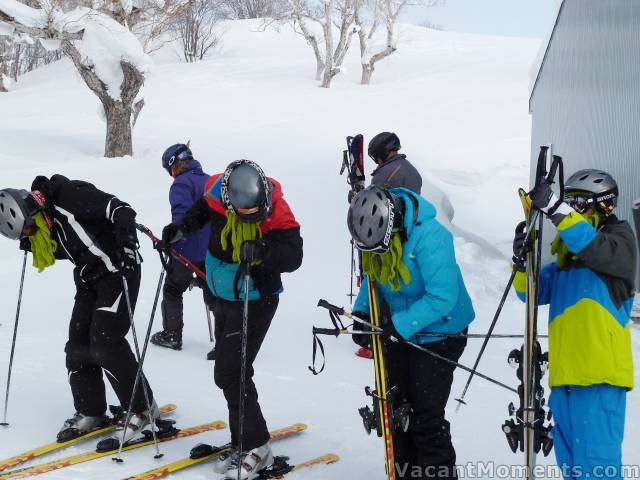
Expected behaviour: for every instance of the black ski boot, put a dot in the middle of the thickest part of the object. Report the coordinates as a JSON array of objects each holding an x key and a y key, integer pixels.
[{"x": 168, "y": 339}]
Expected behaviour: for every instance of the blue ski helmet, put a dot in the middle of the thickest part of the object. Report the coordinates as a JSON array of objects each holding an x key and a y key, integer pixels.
[{"x": 175, "y": 153}]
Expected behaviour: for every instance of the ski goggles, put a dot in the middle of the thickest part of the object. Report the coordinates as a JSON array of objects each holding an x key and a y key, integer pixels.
[
  {"x": 580, "y": 203},
  {"x": 182, "y": 154}
]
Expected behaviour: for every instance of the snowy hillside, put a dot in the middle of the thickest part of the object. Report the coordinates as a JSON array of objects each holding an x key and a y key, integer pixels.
[{"x": 458, "y": 103}]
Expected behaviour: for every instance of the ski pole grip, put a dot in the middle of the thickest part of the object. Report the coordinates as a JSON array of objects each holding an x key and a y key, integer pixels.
[
  {"x": 330, "y": 307},
  {"x": 326, "y": 331},
  {"x": 541, "y": 166}
]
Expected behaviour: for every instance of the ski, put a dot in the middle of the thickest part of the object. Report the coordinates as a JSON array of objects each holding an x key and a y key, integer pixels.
[
  {"x": 16, "y": 460},
  {"x": 203, "y": 453},
  {"x": 381, "y": 417},
  {"x": 88, "y": 456},
  {"x": 526, "y": 430},
  {"x": 281, "y": 467}
]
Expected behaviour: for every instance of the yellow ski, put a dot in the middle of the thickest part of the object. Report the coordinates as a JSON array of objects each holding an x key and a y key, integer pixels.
[{"x": 55, "y": 446}]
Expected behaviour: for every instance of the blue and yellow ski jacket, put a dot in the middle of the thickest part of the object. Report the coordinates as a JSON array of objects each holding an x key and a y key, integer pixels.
[
  {"x": 436, "y": 299},
  {"x": 590, "y": 301}
]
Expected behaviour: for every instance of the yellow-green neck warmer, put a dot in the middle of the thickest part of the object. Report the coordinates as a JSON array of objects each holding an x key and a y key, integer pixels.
[
  {"x": 560, "y": 249},
  {"x": 239, "y": 232},
  {"x": 387, "y": 268},
  {"x": 42, "y": 245}
]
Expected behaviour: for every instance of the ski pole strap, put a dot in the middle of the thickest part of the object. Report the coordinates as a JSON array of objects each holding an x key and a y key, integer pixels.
[
  {"x": 334, "y": 313},
  {"x": 317, "y": 345}
]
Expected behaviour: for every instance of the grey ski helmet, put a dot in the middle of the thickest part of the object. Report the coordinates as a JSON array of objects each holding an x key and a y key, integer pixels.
[
  {"x": 591, "y": 188},
  {"x": 246, "y": 191},
  {"x": 374, "y": 215},
  {"x": 16, "y": 211},
  {"x": 381, "y": 145}
]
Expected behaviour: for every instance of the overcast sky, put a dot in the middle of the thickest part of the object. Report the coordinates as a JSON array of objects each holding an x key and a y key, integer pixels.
[{"x": 528, "y": 18}]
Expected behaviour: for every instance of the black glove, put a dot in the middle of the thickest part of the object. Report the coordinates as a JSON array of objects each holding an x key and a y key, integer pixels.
[
  {"x": 25, "y": 244},
  {"x": 519, "y": 255},
  {"x": 172, "y": 233},
  {"x": 253, "y": 250},
  {"x": 126, "y": 250},
  {"x": 361, "y": 340},
  {"x": 390, "y": 334},
  {"x": 543, "y": 198}
]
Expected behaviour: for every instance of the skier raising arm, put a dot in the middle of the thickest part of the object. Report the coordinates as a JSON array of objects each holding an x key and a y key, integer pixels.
[
  {"x": 411, "y": 258},
  {"x": 250, "y": 223},
  {"x": 590, "y": 290}
]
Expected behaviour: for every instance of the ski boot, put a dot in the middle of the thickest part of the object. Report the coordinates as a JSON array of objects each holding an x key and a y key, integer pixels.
[
  {"x": 250, "y": 463},
  {"x": 168, "y": 338},
  {"x": 139, "y": 421},
  {"x": 364, "y": 353},
  {"x": 223, "y": 461},
  {"x": 79, "y": 425}
]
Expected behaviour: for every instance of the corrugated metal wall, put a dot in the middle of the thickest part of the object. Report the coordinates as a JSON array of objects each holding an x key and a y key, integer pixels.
[{"x": 587, "y": 98}]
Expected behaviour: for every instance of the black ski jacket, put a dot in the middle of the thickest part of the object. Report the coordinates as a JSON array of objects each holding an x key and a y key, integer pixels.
[
  {"x": 85, "y": 221},
  {"x": 397, "y": 172}
]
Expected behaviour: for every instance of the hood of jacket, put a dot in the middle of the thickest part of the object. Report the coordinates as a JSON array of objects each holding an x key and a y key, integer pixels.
[{"x": 417, "y": 209}]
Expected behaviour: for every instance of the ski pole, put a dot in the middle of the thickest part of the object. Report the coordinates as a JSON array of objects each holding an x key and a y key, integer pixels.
[
  {"x": 206, "y": 308},
  {"x": 13, "y": 343},
  {"x": 139, "y": 374},
  {"x": 243, "y": 364},
  {"x": 636, "y": 219}
]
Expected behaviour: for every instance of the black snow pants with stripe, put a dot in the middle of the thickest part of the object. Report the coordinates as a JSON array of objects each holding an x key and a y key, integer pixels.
[
  {"x": 228, "y": 333},
  {"x": 99, "y": 324}
]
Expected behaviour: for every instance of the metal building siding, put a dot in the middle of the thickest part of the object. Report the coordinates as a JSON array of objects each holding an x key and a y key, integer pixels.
[{"x": 586, "y": 101}]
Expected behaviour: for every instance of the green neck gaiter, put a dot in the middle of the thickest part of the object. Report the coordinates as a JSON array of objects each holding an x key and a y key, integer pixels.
[
  {"x": 560, "y": 249},
  {"x": 387, "y": 268},
  {"x": 42, "y": 245},
  {"x": 239, "y": 232}
]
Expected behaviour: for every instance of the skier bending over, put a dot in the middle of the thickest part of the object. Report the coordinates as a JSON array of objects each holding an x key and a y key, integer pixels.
[
  {"x": 412, "y": 259},
  {"x": 250, "y": 223},
  {"x": 186, "y": 189},
  {"x": 73, "y": 220},
  {"x": 590, "y": 291}
]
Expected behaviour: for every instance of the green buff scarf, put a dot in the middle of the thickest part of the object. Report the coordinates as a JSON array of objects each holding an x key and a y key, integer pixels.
[
  {"x": 42, "y": 245},
  {"x": 560, "y": 249},
  {"x": 387, "y": 268},
  {"x": 239, "y": 232}
]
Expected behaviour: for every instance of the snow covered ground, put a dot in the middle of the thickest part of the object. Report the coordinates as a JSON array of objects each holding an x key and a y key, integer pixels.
[{"x": 459, "y": 104}]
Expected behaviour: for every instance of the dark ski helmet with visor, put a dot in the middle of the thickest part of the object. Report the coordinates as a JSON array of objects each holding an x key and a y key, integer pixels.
[
  {"x": 17, "y": 209},
  {"x": 374, "y": 215},
  {"x": 381, "y": 145},
  {"x": 174, "y": 154},
  {"x": 591, "y": 188},
  {"x": 246, "y": 191}
]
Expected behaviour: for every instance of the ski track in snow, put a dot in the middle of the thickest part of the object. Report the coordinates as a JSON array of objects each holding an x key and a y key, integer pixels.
[{"x": 459, "y": 105}]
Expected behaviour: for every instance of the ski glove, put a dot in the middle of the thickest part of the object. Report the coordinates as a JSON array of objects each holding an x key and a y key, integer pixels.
[
  {"x": 170, "y": 234},
  {"x": 25, "y": 244},
  {"x": 389, "y": 334},
  {"x": 519, "y": 258},
  {"x": 543, "y": 198},
  {"x": 361, "y": 340},
  {"x": 253, "y": 250}
]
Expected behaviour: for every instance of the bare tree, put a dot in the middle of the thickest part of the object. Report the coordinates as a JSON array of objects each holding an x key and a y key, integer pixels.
[
  {"x": 245, "y": 9},
  {"x": 118, "y": 94},
  {"x": 331, "y": 15},
  {"x": 196, "y": 27},
  {"x": 370, "y": 15}
]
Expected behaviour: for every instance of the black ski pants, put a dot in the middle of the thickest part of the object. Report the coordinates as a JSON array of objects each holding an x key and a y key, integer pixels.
[
  {"x": 228, "y": 333},
  {"x": 176, "y": 283},
  {"x": 99, "y": 324},
  {"x": 425, "y": 383}
]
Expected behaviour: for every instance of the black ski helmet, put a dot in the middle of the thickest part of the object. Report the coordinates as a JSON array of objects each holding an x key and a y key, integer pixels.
[
  {"x": 382, "y": 144},
  {"x": 374, "y": 215},
  {"x": 591, "y": 188},
  {"x": 16, "y": 212},
  {"x": 246, "y": 191},
  {"x": 175, "y": 153}
]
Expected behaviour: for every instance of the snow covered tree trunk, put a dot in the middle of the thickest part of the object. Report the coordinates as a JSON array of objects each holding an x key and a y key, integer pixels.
[
  {"x": 327, "y": 27},
  {"x": 3, "y": 89},
  {"x": 367, "y": 71},
  {"x": 119, "y": 113}
]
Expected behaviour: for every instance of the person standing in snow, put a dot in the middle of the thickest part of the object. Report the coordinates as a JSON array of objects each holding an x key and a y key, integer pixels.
[
  {"x": 590, "y": 291},
  {"x": 411, "y": 258},
  {"x": 186, "y": 189},
  {"x": 394, "y": 170},
  {"x": 96, "y": 231},
  {"x": 251, "y": 223}
]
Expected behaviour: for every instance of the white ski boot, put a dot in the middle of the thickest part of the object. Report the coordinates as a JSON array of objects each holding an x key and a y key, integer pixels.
[
  {"x": 139, "y": 421},
  {"x": 80, "y": 424},
  {"x": 250, "y": 463},
  {"x": 222, "y": 462}
]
